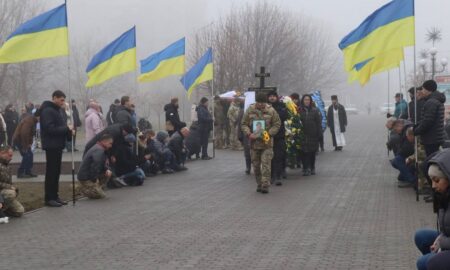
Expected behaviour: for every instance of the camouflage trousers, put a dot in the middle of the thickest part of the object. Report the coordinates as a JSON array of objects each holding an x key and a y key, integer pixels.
[
  {"x": 421, "y": 156},
  {"x": 94, "y": 190},
  {"x": 219, "y": 136},
  {"x": 234, "y": 141},
  {"x": 12, "y": 206},
  {"x": 262, "y": 162}
]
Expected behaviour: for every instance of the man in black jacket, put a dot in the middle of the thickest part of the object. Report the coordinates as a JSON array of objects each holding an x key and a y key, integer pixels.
[
  {"x": 279, "y": 142},
  {"x": 172, "y": 116},
  {"x": 123, "y": 113},
  {"x": 431, "y": 126},
  {"x": 54, "y": 134},
  {"x": 205, "y": 124}
]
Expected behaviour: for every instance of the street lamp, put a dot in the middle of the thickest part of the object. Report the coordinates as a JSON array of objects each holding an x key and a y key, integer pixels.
[{"x": 423, "y": 63}]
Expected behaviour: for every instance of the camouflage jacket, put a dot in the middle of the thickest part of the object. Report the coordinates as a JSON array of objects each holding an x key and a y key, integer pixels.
[
  {"x": 272, "y": 124},
  {"x": 5, "y": 175},
  {"x": 233, "y": 112},
  {"x": 219, "y": 116}
]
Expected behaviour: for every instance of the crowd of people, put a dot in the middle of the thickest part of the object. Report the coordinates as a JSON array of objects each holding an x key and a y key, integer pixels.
[
  {"x": 119, "y": 150},
  {"x": 122, "y": 151},
  {"x": 418, "y": 137}
]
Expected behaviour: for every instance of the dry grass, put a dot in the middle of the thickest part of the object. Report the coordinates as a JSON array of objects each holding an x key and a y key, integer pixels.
[{"x": 31, "y": 194}]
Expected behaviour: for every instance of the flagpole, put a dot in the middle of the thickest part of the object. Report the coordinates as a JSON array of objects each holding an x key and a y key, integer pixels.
[
  {"x": 213, "y": 106},
  {"x": 136, "y": 85},
  {"x": 415, "y": 105},
  {"x": 389, "y": 106},
  {"x": 70, "y": 108},
  {"x": 404, "y": 78},
  {"x": 400, "y": 79}
]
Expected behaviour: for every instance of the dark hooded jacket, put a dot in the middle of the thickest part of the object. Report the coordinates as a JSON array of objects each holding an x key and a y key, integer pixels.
[
  {"x": 115, "y": 131},
  {"x": 442, "y": 204},
  {"x": 192, "y": 141},
  {"x": 173, "y": 117},
  {"x": 126, "y": 160},
  {"x": 312, "y": 128},
  {"x": 282, "y": 111},
  {"x": 431, "y": 126},
  {"x": 54, "y": 130},
  {"x": 205, "y": 120},
  {"x": 123, "y": 116}
]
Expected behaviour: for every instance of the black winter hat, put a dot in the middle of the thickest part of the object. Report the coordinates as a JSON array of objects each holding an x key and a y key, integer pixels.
[
  {"x": 261, "y": 97},
  {"x": 430, "y": 85},
  {"x": 272, "y": 93}
]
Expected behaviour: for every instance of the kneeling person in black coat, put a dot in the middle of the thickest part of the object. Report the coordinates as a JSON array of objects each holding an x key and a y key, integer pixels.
[{"x": 126, "y": 163}]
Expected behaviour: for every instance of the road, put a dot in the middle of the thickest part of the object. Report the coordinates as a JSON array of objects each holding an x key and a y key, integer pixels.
[{"x": 351, "y": 215}]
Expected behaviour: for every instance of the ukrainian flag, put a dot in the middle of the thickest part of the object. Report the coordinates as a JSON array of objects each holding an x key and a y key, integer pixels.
[
  {"x": 44, "y": 36},
  {"x": 117, "y": 58},
  {"x": 385, "y": 61},
  {"x": 169, "y": 61},
  {"x": 390, "y": 27},
  {"x": 199, "y": 73}
]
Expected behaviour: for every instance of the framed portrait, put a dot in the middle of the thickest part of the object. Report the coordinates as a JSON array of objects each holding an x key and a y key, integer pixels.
[{"x": 258, "y": 126}]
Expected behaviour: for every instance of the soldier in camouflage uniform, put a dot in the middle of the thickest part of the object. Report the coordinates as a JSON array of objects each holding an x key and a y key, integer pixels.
[
  {"x": 261, "y": 151},
  {"x": 219, "y": 123},
  {"x": 9, "y": 192},
  {"x": 233, "y": 115}
]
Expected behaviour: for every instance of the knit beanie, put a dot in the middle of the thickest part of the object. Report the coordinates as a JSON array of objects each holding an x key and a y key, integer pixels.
[{"x": 161, "y": 136}]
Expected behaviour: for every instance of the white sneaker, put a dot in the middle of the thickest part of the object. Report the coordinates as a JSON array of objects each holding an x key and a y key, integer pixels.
[{"x": 4, "y": 220}]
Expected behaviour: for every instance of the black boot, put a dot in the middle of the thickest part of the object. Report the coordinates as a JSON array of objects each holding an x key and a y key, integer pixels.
[{"x": 306, "y": 172}]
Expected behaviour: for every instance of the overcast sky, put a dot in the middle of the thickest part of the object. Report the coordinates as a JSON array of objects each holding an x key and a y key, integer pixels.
[{"x": 160, "y": 22}]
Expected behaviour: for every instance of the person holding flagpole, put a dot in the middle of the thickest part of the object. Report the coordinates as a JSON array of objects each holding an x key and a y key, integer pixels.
[{"x": 54, "y": 134}]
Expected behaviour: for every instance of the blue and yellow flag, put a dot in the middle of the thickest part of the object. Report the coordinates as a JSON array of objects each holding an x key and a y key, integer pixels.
[
  {"x": 169, "y": 61},
  {"x": 43, "y": 36},
  {"x": 385, "y": 61},
  {"x": 117, "y": 58},
  {"x": 390, "y": 27},
  {"x": 199, "y": 73}
]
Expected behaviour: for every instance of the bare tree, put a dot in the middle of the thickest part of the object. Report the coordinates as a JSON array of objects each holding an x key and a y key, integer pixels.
[
  {"x": 17, "y": 80},
  {"x": 294, "y": 49}
]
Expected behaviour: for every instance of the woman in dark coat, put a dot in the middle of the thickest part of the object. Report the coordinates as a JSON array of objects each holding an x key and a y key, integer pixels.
[{"x": 312, "y": 129}]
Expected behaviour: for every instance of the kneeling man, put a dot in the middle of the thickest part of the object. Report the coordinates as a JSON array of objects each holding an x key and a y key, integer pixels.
[{"x": 94, "y": 170}]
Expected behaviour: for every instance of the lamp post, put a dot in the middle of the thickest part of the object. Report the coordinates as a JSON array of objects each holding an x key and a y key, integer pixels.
[{"x": 423, "y": 64}]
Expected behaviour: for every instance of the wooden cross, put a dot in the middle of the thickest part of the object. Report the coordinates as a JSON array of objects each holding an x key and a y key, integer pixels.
[{"x": 262, "y": 75}]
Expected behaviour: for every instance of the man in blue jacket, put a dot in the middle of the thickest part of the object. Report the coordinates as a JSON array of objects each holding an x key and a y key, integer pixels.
[
  {"x": 401, "y": 107},
  {"x": 54, "y": 134}
]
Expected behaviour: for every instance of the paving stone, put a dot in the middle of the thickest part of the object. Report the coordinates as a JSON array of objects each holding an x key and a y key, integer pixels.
[{"x": 350, "y": 215}]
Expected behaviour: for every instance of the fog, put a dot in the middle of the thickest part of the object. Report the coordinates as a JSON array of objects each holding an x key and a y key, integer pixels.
[{"x": 160, "y": 22}]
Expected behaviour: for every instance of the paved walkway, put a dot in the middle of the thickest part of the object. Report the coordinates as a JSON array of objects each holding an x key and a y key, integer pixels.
[{"x": 350, "y": 216}]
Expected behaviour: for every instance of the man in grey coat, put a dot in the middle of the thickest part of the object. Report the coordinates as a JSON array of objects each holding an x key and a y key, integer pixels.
[{"x": 94, "y": 171}]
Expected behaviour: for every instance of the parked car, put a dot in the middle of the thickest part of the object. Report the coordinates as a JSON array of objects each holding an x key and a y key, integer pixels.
[
  {"x": 387, "y": 108},
  {"x": 351, "y": 109}
]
